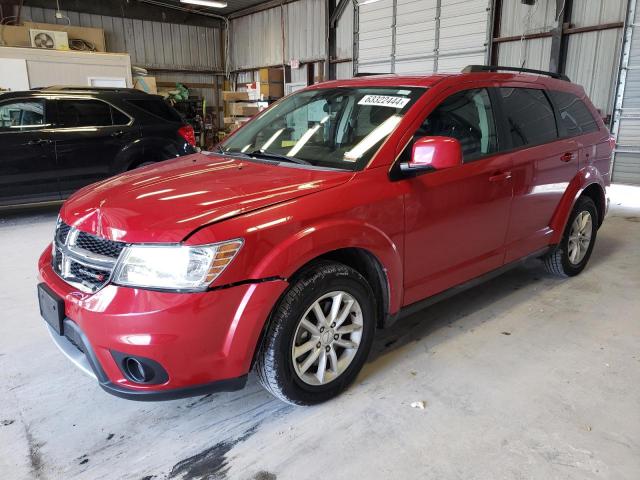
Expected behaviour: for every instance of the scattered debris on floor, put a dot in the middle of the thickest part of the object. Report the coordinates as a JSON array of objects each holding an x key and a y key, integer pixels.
[
  {"x": 420, "y": 405},
  {"x": 505, "y": 333}
]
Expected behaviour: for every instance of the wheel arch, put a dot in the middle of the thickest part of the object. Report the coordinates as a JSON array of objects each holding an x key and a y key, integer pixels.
[
  {"x": 362, "y": 261},
  {"x": 589, "y": 183}
]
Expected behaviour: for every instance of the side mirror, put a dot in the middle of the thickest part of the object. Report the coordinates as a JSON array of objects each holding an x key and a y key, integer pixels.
[{"x": 433, "y": 153}]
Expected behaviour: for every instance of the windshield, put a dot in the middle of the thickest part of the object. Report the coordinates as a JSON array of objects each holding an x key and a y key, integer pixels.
[{"x": 337, "y": 127}]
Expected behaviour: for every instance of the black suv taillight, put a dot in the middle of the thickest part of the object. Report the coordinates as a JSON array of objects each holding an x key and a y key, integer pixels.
[{"x": 186, "y": 132}]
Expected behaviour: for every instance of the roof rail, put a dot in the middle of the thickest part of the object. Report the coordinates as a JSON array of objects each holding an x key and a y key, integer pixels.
[
  {"x": 495, "y": 68},
  {"x": 82, "y": 88}
]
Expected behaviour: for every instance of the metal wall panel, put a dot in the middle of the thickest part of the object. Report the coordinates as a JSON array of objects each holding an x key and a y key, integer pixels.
[
  {"x": 416, "y": 22},
  {"x": 626, "y": 167},
  {"x": 375, "y": 37},
  {"x": 517, "y": 18},
  {"x": 150, "y": 44},
  {"x": 534, "y": 53},
  {"x": 422, "y": 36},
  {"x": 344, "y": 33},
  {"x": 463, "y": 34},
  {"x": 256, "y": 39},
  {"x": 592, "y": 57},
  {"x": 585, "y": 13},
  {"x": 344, "y": 70},
  {"x": 593, "y": 60}
]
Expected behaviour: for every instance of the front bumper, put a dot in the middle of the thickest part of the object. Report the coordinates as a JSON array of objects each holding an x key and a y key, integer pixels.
[{"x": 204, "y": 341}]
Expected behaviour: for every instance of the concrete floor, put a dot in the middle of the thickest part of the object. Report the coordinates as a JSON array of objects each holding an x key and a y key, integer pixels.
[{"x": 524, "y": 377}]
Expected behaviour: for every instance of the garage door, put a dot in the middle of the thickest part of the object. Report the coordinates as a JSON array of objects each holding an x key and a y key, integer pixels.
[
  {"x": 421, "y": 36},
  {"x": 626, "y": 167}
]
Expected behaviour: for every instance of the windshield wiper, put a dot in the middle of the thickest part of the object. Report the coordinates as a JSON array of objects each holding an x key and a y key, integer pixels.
[{"x": 277, "y": 156}]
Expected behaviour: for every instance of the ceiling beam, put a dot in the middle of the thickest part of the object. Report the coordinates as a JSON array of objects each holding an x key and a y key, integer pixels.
[
  {"x": 258, "y": 8},
  {"x": 130, "y": 9}
]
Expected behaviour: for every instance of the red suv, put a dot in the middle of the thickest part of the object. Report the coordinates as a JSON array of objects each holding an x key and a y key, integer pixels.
[{"x": 338, "y": 210}]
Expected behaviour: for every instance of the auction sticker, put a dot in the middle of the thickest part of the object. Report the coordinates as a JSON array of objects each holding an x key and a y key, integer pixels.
[{"x": 384, "y": 101}]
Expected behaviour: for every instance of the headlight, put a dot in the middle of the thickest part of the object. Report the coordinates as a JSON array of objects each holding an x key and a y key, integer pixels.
[{"x": 174, "y": 267}]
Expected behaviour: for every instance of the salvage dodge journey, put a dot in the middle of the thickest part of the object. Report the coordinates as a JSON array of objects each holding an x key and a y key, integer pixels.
[{"x": 335, "y": 212}]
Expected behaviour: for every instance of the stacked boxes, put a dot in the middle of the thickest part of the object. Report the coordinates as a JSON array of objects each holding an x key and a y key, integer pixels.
[
  {"x": 240, "y": 106},
  {"x": 237, "y": 109}
]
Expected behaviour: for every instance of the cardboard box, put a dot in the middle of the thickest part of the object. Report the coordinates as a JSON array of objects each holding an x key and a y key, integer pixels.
[
  {"x": 261, "y": 91},
  {"x": 18, "y": 36},
  {"x": 229, "y": 96},
  {"x": 146, "y": 84},
  {"x": 15, "y": 36},
  {"x": 242, "y": 109},
  {"x": 234, "y": 120},
  {"x": 271, "y": 75}
]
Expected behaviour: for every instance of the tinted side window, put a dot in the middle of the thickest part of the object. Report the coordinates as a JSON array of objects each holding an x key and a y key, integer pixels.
[
  {"x": 21, "y": 115},
  {"x": 466, "y": 116},
  {"x": 158, "y": 108},
  {"x": 529, "y": 115},
  {"x": 119, "y": 118},
  {"x": 575, "y": 117},
  {"x": 83, "y": 113}
]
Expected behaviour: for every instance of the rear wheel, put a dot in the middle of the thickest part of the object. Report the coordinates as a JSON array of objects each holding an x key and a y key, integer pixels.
[
  {"x": 570, "y": 257},
  {"x": 319, "y": 336}
]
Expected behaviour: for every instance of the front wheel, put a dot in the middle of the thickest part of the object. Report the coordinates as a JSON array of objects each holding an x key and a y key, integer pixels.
[
  {"x": 570, "y": 257},
  {"x": 319, "y": 336}
]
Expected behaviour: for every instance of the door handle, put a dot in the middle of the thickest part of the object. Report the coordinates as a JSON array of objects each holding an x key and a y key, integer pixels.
[
  {"x": 117, "y": 134},
  {"x": 567, "y": 157},
  {"x": 40, "y": 141},
  {"x": 500, "y": 177}
]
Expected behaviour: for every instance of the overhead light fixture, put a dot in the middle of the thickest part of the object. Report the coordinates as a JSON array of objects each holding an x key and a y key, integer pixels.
[
  {"x": 366, "y": 2},
  {"x": 206, "y": 3}
]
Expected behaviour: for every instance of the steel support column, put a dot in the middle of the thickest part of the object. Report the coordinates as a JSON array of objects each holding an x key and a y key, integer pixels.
[
  {"x": 558, "y": 38},
  {"x": 331, "y": 48}
]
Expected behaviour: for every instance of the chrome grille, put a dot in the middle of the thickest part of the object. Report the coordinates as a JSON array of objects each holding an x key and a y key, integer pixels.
[{"x": 84, "y": 260}]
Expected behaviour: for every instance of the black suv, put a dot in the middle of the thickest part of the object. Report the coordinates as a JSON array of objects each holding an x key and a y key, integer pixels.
[{"x": 56, "y": 140}]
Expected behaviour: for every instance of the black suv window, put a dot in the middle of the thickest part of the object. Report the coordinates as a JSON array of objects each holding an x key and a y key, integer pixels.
[
  {"x": 157, "y": 107},
  {"x": 529, "y": 115},
  {"x": 466, "y": 116},
  {"x": 575, "y": 117},
  {"x": 83, "y": 113},
  {"x": 21, "y": 115},
  {"x": 119, "y": 118}
]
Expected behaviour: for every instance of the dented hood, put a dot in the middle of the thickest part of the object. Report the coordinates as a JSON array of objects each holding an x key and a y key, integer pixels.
[{"x": 168, "y": 201}]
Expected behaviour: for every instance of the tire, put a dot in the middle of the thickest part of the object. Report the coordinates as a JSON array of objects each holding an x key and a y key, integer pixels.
[
  {"x": 320, "y": 285},
  {"x": 562, "y": 260}
]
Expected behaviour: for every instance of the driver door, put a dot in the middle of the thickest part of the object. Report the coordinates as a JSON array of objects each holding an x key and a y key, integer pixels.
[{"x": 456, "y": 219}]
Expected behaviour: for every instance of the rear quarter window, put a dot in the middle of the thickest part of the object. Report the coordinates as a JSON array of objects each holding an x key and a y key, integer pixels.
[
  {"x": 156, "y": 107},
  {"x": 575, "y": 117},
  {"x": 529, "y": 115}
]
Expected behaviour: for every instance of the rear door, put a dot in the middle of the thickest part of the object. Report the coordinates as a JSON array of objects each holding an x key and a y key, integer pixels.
[
  {"x": 160, "y": 124},
  {"x": 90, "y": 134},
  {"x": 543, "y": 166},
  {"x": 27, "y": 162},
  {"x": 576, "y": 121}
]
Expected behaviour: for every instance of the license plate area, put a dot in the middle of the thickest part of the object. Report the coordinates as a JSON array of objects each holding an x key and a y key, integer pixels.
[{"x": 51, "y": 308}]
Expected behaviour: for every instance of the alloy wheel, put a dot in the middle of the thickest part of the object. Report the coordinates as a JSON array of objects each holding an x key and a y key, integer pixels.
[
  {"x": 327, "y": 338},
  {"x": 580, "y": 237}
]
